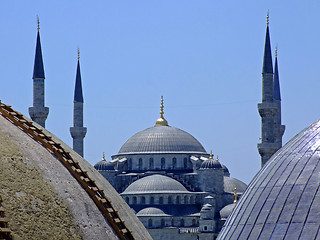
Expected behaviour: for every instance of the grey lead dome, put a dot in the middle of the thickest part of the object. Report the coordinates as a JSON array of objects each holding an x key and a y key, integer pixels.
[
  {"x": 162, "y": 139},
  {"x": 282, "y": 201},
  {"x": 155, "y": 183}
]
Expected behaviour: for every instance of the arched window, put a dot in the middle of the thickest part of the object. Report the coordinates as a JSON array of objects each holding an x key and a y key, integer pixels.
[
  {"x": 134, "y": 200},
  {"x": 162, "y": 222},
  {"x": 174, "y": 163},
  {"x": 185, "y": 200},
  {"x": 193, "y": 222},
  {"x": 172, "y": 222},
  {"x": 178, "y": 200},
  {"x": 185, "y": 163},
  {"x": 127, "y": 200},
  {"x": 150, "y": 223},
  {"x": 151, "y": 163},
  {"x": 151, "y": 200},
  {"x": 181, "y": 222},
  {"x": 191, "y": 200},
  {"x": 140, "y": 164},
  {"x": 130, "y": 164},
  {"x": 169, "y": 200},
  {"x": 143, "y": 200},
  {"x": 161, "y": 200},
  {"x": 163, "y": 163}
]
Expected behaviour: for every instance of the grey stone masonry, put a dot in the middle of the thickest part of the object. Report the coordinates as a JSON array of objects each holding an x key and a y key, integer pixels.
[{"x": 78, "y": 132}]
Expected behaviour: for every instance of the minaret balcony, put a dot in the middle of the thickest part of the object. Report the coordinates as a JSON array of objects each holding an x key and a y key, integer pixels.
[{"x": 267, "y": 109}]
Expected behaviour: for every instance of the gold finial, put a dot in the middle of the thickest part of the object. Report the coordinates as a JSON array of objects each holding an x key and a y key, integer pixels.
[
  {"x": 235, "y": 195},
  {"x": 161, "y": 121},
  {"x": 78, "y": 54},
  {"x": 38, "y": 22},
  {"x": 276, "y": 51},
  {"x": 211, "y": 155},
  {"x": 268, "y": 18},
  {"x": 103, "y": 157},
  {"x": 217, "y": 158}
]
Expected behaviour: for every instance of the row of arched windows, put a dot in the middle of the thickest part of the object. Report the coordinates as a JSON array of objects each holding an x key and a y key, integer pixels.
[
  {"x": 186, "y": 163},
  {"x": 170, "y": 200},
  {"x": 180, "y": 223}
]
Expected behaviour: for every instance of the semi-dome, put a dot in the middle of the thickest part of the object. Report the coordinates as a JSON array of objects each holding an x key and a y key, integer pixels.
[
  {"x": 151, "y": 211},
  {"x": 226, "y": 211},
  {"x": 155, "y": 184},
  {"x": 231, "y": 183},
  {"x": 162, "y": 139},
  {"x": 282, "y": 201}
]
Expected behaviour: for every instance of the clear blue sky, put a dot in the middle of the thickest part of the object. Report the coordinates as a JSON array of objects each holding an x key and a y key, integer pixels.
[{"x": 204, "y": 57}]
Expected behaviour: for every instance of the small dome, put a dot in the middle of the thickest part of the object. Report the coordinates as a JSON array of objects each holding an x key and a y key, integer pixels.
[
  {"x": 210, "y": 164},
  {"x": 103, "y": 165},
  {"x": 230, "y": 183},
  {"x": 226, "y": 211},
  {"x": 151, "y": 211},
  {"x": 162, "y": 139},
  {"x": 155, "y": 184},
  {"x": 225, "y": 170}
]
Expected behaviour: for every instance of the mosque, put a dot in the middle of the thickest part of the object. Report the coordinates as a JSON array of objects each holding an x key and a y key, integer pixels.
[{"x": 173, "y": 185}]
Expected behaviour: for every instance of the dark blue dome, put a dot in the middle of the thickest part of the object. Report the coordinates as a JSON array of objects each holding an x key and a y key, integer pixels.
[
  {"x": 210, "y": 164},
  {"x": 162, "y": 139},
  {"x": 104, "y": 166}
]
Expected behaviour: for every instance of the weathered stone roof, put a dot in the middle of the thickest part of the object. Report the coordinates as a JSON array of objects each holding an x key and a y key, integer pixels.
[
  {"x": 44, "y": 201},
  {"x": 282, "y": 201}
]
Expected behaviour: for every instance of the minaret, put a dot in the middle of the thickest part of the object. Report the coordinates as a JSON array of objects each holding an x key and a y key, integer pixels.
[
  {"x": 38, "y": 112},
  {"x": 267, "y": 109},
  {"x": 278, "y": 128},
  {"x": 78, "y": 132}
]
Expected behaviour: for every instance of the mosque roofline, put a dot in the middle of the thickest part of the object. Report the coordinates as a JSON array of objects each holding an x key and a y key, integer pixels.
[{"x": 159, "y": 152}]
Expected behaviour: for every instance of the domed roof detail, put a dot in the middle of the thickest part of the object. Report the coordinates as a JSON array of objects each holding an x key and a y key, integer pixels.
[
  {"x": 226, "y": 211},
  {"x": 162, "y": 139},
  {"x": 210, "y": 164},
  {"x": 230, "y": 183},
  {"x": 155, "y": 184},
  {"x": 103, "y": 165},
  {"x": 151, "y": 211},
  {"x": 282, "y": 201},
  {"x": 225, "y": 170}
]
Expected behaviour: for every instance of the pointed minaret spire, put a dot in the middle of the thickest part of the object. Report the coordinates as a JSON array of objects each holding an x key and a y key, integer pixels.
[
  {"x": 278, "y": 128},
  {"x": 267, "y": 109},
  {"x": 38, "y": 112},
  {"x": 78, "y": 132}
]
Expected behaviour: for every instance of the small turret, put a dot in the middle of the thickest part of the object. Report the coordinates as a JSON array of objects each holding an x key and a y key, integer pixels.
[
  {"x": 38, "y": 112},
  {"x": 78, "y": 132}
]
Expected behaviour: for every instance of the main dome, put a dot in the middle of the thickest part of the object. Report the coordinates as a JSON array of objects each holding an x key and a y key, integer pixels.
[{"x": 162, "y": 139}]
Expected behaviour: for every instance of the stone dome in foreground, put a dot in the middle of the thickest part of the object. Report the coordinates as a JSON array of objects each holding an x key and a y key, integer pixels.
[
  {"x": 155, "y": 184},
  {"x": 162, "y": 139},
  {"x": 282, "y": 201},
  {"x": 40, "y": 196}
]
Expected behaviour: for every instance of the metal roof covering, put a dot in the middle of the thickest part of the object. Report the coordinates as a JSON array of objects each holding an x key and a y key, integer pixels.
[
  {"x": 151, "y": 211},
  {"x": 230, "y": 183},
  {"x": 210, "y": 164},
  {"x": 155, "y": 184},
  {"x": 226, "y": 211},
  {"x": 162, "y": 139},
  {"x": 282, "y": 201},
  {"x": 104, "y": 166}
]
